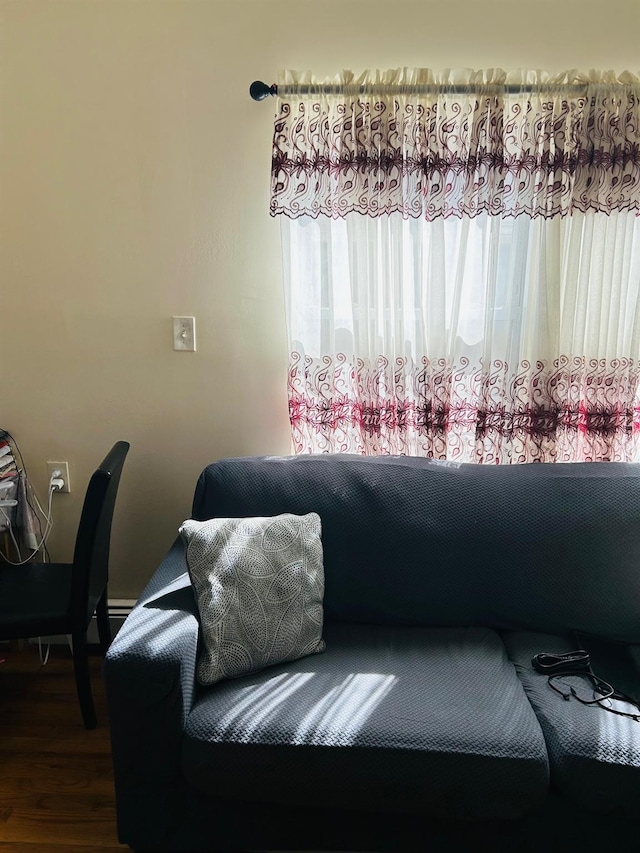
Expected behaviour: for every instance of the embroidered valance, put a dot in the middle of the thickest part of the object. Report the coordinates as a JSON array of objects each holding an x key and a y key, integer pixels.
[{"x": 470, "y": 144}]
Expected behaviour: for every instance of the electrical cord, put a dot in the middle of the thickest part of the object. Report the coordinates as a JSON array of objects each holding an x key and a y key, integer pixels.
[
  {"x": 44, "y": 660},
  {"x": 48, "y": 517},
  {"x": 28, "y": 488},
  {"x": 6, "y": 559},
  {"x": 47, "y": 530},
  {"x": 578, "y": 663}
]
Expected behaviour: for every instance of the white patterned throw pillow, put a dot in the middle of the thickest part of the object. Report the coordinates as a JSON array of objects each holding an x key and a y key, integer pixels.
[{"x": 259, "y": 585}]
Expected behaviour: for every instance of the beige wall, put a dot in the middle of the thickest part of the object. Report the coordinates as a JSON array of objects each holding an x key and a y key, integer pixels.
[{"x": 134, "y": 176}]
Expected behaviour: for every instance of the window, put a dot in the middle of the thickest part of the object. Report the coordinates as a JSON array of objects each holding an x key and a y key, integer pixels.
[{"x": 462, "y": 268}]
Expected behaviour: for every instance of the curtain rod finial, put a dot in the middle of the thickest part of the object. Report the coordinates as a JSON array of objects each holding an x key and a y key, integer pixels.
[{"x": 259, "y": 90}]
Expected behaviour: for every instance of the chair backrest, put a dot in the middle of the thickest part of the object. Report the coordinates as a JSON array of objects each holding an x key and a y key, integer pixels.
[{"x": 91, "y": 554}]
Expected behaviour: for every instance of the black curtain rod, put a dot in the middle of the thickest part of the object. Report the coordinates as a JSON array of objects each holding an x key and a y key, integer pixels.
[{"x": 259, "y": 90}]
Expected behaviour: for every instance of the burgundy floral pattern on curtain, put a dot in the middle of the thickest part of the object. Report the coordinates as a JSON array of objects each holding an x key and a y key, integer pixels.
[
  {"x": 561, "y": 412},
  {"x": 503, "y": 325},
  {"x": 453, "y": 155}
]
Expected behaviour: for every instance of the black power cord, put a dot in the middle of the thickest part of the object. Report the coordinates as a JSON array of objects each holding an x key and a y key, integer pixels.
[{"x": 578, "y": 663}]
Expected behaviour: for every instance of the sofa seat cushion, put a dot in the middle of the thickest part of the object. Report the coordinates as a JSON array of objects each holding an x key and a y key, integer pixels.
[
  {"x": 594, "y": 755},
  {"x": 419, "y": 720}
]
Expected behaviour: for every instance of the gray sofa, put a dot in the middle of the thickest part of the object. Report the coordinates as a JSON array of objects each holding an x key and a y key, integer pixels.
[{"x": 424, "y": 724}]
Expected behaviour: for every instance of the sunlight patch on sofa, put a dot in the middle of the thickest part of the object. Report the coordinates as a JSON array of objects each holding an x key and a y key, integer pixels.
[
  {"x": 260, "y": 703},
  {"x": 144, "y": 627},
  {"x": 619, "y": 737},
  {"x": 338, "y": 717}
]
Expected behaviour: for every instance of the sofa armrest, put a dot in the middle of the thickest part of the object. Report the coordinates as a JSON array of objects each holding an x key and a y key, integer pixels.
[{"x": 150, "y": 679}]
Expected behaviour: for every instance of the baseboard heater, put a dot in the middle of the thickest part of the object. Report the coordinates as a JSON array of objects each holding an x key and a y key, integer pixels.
[{"x": 119, "y": 609}]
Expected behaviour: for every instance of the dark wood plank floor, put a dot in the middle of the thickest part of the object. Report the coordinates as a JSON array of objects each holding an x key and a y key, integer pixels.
[{"x": 56, "y": 781}]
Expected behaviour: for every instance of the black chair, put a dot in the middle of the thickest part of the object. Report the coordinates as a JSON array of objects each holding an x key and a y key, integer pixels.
[{"x": 41, "y": 599}]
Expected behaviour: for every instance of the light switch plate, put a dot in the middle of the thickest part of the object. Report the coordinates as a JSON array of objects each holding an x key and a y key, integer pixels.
[{"x": 184, "y": 334}]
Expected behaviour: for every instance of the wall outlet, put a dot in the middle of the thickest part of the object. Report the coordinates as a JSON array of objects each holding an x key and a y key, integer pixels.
[
  {"x": 63, "y": 467},
  {"x": 184, "y": 334}
]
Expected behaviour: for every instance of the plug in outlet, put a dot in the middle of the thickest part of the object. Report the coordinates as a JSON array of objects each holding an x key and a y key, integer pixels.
[{"x": 63, "y": 468}]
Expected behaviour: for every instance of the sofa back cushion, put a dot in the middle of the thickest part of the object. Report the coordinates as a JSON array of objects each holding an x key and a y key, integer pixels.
[{"x": 550, "y": 547}]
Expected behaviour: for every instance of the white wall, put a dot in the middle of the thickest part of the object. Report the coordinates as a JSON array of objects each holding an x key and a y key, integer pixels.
[{"x": 134, "y": 182}]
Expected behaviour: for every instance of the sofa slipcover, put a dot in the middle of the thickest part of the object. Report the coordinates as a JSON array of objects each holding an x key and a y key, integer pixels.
[
  {"x": 422, "y": 726},
  {"x": 594, "y": 754},
  {"x": 549, "y": 547},
  {"x": 419, "y": 720}
]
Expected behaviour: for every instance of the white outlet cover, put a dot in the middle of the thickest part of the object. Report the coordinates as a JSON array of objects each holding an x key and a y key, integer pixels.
[
  {"x": 184, "y": 334},
  {"x": 63, "y": 467}
]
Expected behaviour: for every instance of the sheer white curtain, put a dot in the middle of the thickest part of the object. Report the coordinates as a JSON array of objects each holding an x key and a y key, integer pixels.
[{"x": 462, "y": 271}]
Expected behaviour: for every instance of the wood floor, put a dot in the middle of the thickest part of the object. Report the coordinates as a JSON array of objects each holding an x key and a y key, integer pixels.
[{"x": 56, "y": 781}]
